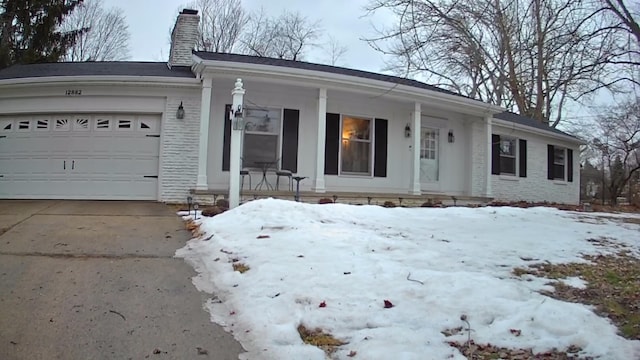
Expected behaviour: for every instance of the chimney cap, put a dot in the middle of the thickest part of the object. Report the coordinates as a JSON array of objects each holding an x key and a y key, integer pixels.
[{"x": 189, "y": 12}]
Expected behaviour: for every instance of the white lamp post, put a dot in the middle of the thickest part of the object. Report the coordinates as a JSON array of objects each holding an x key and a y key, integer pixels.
[{"x": 237, "y": 126}]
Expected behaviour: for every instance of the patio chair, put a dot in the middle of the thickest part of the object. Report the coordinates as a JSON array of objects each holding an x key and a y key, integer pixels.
[
  {"x": 244, "y": 172},
  {"x": 284, "y": 173}
]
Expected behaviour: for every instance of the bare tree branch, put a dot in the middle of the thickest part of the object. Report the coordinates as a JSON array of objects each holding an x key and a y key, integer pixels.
[
  {"x": 533, "y": 55},
  {"x": 107, "y": 35},
  {"x": 221, "y": 25},
  {"x": 286, "y": 36}
]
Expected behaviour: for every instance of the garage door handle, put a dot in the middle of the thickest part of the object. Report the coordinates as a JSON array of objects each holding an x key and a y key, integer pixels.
[
  {"x": 64, "y": 165},
  {"x": 151, "y": 176},
  {"x": 73, "y": 164}
]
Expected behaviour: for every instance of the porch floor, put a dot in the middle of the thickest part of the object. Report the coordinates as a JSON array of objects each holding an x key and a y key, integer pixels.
[{"x": 361, "y": 198}]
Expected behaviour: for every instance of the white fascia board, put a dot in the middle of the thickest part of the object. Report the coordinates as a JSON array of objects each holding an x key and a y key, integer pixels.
[
  {"x": 326, "y": 79},
  {"x": 103, "y": 80},
  {"x": 511, "y": 125}
]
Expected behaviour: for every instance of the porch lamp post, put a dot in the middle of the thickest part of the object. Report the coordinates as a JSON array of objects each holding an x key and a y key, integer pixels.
[{"x": 237, "y": 126}]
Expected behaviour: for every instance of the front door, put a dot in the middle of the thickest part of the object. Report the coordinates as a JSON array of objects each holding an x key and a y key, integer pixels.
[{"x": 429, "y": 139}]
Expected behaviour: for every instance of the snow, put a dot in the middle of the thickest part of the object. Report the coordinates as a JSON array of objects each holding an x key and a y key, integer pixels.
[{"x": 355, "y": 257}]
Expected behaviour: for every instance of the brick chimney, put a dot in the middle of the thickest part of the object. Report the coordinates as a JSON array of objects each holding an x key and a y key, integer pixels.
[{"x": 183, "y": 38}]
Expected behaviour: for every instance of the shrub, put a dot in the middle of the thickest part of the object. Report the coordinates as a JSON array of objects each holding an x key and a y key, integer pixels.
[
  {"x": 389, "y": 204},
  {"x": 325, "y": 201},
  {"x": 213, "y": 211},
  {"x": 222, "y": 203}
]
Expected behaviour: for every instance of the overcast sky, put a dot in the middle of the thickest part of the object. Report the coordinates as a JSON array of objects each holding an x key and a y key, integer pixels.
[{"x": 150, "y": 22}]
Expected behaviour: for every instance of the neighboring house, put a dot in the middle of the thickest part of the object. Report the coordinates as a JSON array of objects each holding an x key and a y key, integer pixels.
[{"x": 110, "y": 130}]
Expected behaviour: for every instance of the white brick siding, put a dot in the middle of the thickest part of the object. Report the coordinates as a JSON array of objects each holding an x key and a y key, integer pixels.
[
  {"x": 536, "y": 187},
  {"x": 179, "y": 149},
  {"x": 478, "y": 139},
  {"x": 183, "y": 39}
]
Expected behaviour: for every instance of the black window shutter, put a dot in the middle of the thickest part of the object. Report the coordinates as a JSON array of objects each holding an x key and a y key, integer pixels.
[
  {"x": 332, "y": 144},
  {"x": 550, "y": 162},
  {"x": 523, "y": 157},
  {"x": 380, "y": 151},
  {"x": 290, "y": 140},
  {"x": 569, "y": 165},
  {"x": 226, "y": 144},
  {"x": 495, "y": 154}
]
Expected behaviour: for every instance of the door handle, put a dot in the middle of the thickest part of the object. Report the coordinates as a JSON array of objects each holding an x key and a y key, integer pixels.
[
  {"x": 64, "y": 165},
  {"x": 73, "y": 164}
]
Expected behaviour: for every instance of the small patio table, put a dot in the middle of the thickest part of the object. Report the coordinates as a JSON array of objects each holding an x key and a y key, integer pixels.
[{"x": 264, "y": 166}]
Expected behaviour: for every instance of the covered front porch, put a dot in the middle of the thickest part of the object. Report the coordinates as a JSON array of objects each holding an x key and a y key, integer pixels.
[{"x": 358, "y": 141}]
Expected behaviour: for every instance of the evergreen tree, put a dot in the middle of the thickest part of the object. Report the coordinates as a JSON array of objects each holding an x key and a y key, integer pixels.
[{"x": 29, "y": 31}]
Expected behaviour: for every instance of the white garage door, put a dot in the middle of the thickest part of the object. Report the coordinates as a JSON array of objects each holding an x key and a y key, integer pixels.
[{"x": 79, "y": 156}]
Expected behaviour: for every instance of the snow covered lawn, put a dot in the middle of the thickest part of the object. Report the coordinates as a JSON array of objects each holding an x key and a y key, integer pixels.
[{"x": 333, "y": 266}]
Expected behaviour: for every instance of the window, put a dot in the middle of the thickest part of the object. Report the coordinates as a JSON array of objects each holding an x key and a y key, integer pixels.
[
  {"x": 42, "y": 124},
  {"x": 62, "y": 124},
  {"x": 508, "y": 156},
  {"x": 103, "y": 124},
  {"x": 558, "y": 163},
  {"x": 124, "y": 124},
  {"x": 429, "y": 144},
  {"x": 24, "y": 125},
  {"x": 355, "y": 153},
  {"x": 261, "y": 136},
  {"x": 81, "y": 123}
]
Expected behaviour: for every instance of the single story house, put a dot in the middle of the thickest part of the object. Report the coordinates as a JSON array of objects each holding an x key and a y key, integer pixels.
[{"x": 159, "y": 131}]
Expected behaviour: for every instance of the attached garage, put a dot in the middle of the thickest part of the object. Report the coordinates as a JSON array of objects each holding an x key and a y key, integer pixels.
[{"x": 80, "y": 156}]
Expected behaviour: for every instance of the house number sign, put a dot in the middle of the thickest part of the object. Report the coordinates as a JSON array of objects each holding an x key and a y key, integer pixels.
[{"x": 73, "y": 92}]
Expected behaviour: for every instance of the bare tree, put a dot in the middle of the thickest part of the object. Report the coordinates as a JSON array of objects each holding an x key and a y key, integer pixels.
[
  {"x": 532, "y": 56},
  {"x": 626, "y": 14},
  {"x": 624, "y": 18},
  {"x": 107, "y": 35},
  {"x": 221, "y": 24},
  {"x": 617, "y": 139},
  {"x": 335, "y": 51},
  {"x": 286, "y": 36}
]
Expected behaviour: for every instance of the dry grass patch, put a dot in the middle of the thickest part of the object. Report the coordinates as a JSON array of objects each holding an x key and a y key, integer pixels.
[
  {"x": 613, "y": 287},
  {"x": 318, "y": 338},
  {"x": 240, "y": 267},
  {"x": 486, "y": 352}
]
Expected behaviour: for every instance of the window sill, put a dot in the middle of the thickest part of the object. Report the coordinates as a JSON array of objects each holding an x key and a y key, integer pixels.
[
  {"x": 509, "y": 177},
  {"x": 356, "y": 176},
  {"x": 560, "y": 182}
]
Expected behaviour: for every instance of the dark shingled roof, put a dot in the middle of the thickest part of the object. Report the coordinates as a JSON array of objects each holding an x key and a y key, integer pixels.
[
  {"x": 527, "y": 121},
  {"x": 122, "y": 68},
  {"x": 320, "y": 67},
  {"x": 508, "y": 116}
]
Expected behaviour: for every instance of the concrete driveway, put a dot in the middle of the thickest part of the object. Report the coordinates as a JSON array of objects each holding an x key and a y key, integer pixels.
[{"x": 97, "y": 280}]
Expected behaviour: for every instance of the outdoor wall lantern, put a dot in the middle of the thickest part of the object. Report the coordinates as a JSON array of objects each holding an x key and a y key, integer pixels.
[
  {"x": 451, "y": 137},
  {"x": 180, "y": 112},
  {"x": 407, "y": 131},
  {"x": 237, "y": 118}
]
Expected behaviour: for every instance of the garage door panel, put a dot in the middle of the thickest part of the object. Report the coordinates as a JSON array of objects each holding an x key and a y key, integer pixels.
[{"x": 79, "y": 156}]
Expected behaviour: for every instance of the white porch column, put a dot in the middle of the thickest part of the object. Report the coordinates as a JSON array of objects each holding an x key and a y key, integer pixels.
[
  {"x": 488, "y": 189},
  {"x": 415, "y": 146},
  {"x": 318, "y": 176},
  {"x": 236, "y": 138},
  {"x": 205, "y": 111}
]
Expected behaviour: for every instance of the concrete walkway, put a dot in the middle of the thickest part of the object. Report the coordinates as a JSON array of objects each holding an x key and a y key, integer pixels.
[{"x": 97, "y": 280}]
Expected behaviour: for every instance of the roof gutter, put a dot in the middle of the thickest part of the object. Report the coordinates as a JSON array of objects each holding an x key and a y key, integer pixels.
[
  {"x": 322, "y": 78},
  {"x": 103, "y": 80}
]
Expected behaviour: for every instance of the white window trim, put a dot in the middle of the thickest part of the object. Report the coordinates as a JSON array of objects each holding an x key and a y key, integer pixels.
[
  {"x": 279, "y": 134},
  {"x": 516, "y": 155},
  {"x": 371, "y": 142},
  {"x": 565, "y": 175}
]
